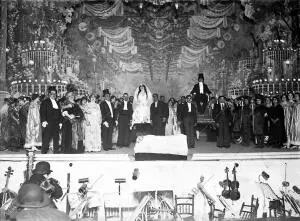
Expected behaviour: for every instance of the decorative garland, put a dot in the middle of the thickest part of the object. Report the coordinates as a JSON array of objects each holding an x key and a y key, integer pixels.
[
  {"x": 206, "y": 22},
  {"x": 204, "y": 34},
  {"x": 219, "y": 10},
  {"x": 103, "y": 9}
]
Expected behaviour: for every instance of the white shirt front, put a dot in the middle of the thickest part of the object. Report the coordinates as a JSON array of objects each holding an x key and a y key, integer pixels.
[
  {"x": 201, "y": 87},
  {"x": 54, "y": 104},
  {"x": 125, "y": 105},
  {"x": 222, "y": 106},
  {"x": 190, "y": 107},
  {"x": 155, "y": 104},
  {"x": 110, "y": 108}
]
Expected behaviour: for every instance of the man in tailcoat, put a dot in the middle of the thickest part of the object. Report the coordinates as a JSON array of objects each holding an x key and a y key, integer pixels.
[
  {"x": 51, "y": 119},
  {"x": 157, "y": 117},
  {"x": 200, "y": 92},
  {"x": 188, "y": 116},
  {"x": 124, "y": 118},
  {"x": 162, "y": 99},
  {"x": 108, "y": 121}
]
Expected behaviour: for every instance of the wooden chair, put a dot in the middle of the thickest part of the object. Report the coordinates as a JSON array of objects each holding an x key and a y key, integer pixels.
[
  {"x": 112, "y": 213},
  {"x": 249, "y": 211},
  {"x": 277, "y": 208},
  {"x": 184, "y": 206}
]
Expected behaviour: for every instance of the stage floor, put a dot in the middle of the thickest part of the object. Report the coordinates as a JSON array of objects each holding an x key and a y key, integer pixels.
[{"x": 202, "y": 149}]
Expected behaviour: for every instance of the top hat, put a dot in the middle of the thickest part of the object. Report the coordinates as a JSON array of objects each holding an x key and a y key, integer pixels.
[
  {"x": 105, "y": 92},
  {"x": 51, "y": 88},
  {"x": 42, "y": 167},
  {"x": 32, "y": 196},
  {"x": 200, "y": 76}
]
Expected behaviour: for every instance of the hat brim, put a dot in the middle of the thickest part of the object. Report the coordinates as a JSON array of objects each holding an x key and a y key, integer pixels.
[
  {"x": 45, "y": 202},
  {"x": 35, "y": 171}
]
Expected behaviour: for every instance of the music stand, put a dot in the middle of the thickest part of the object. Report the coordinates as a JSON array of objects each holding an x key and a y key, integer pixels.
[{"x": 119, "y": 181}]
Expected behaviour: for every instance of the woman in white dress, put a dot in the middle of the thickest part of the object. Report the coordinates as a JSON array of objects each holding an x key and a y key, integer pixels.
[
  {"x": 141, "y": 105},
  {"x": 92, "y": 127},
  {"x": 172, "y": 120}
]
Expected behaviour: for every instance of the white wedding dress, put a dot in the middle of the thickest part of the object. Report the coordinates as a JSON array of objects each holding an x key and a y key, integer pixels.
[{"x": 141, "y": 107}]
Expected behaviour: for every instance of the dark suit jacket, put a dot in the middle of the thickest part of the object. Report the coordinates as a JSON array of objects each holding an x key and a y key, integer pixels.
[
  {"x": 165, "y": 110},
  {"x": 184, "y": 112},
  {"x": 157, "y": 112},
  {"x": 48, "y": 113},
  {"x": 200, "y": 97},
  {"x": 105, "y": 111},
  {"x": 218, "y": 116},
  {"x": 120, "y": 110}
]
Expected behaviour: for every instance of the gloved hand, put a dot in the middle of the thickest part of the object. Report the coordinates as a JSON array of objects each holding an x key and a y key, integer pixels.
[
  {"x": 44, "y": 124},
  {"x": 106, "y": 124}
]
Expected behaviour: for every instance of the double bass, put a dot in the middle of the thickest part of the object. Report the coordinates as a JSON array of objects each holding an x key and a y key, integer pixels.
[
  {"x": 235, "y": 194},
  {"x": 226, "y": 184}
]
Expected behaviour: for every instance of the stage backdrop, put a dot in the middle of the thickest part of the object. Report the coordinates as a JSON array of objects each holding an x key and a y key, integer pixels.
[{"x": 173, "y": 178}]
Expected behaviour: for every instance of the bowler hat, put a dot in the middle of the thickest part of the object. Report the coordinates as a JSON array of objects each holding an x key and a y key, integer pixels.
[
  {"x": 42, "y": 167},
  {"x": 32, "y": 196},
  {"x": 200, "y": 76},
  {"x": 105, "y": 92}
]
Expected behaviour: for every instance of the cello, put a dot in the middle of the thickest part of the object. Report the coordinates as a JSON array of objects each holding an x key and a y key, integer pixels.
[
  {"x": 235, "y": 194},
  {"x": 226, "y": 184},
  {"x": 6, "y": 194}
]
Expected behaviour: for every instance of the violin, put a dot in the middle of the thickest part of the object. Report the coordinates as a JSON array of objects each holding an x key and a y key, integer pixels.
[
  {"x": 6, "y": 194},
  {"x": 235, "y": 194},
  {"x": 226, "y": 184}
]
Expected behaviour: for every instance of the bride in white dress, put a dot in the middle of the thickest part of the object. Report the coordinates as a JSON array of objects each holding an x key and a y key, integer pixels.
[{"x": 141, "y": 105}]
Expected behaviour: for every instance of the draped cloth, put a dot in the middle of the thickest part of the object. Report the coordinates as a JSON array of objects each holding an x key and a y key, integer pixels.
[
  {"x": 33, "y": 127},
  {"x": 141, "y": 106},
  {"x": 103, "y": 9}
]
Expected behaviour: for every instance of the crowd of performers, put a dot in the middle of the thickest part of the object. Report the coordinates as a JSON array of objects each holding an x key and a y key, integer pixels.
[{"x": 94, "y": 123}]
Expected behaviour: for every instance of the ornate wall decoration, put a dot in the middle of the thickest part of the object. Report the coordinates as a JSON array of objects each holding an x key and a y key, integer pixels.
[{"x": 103, "y": 9}]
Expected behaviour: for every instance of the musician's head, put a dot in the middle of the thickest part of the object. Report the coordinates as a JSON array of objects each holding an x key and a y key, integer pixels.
[
  {"x": 52, "y": 92},
  {"x": 200, "y": 77},
  {"x": 42, "y": 168},
  {"x": 222, "y": 99}
]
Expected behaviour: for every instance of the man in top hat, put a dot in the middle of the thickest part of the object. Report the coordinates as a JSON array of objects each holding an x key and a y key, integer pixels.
[
  {"x": 51, "y": 119},
  {"x": 201, "y": 92},
  {"x": 35, "y": 205},
  {"x": 108, "y": 121},
  {"x": 40, "y": 176}
]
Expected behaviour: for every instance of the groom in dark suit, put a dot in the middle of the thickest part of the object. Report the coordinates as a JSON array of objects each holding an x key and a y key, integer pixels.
[
  {"x": 200, "y": 92},
  {"x": 124, "y": 117},
  {"x": 107, "y": 121},
  {"x": 188, "y": 117},
  {"x": 51, "y": 119}
]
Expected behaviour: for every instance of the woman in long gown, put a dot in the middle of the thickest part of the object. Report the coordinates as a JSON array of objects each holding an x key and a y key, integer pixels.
[
  {"x": 172, "y": 120},
  {"x": 72, "y": 136},
  {"x": 141, "y": 105},
  {"x": 287, "y": 104},
  {"x": 92, "y": 126},
  {"x": 33, "y": 127},
  {"x": 295, "y": 122}
]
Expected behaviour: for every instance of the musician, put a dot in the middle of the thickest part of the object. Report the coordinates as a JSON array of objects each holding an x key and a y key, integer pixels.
[
  {"x": 200, "y": 92},
  {"x": 41, "y": 177}
]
